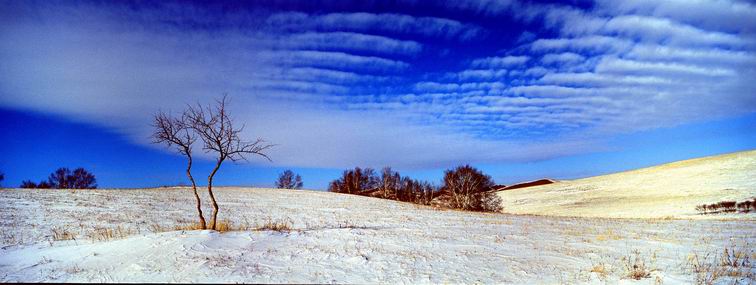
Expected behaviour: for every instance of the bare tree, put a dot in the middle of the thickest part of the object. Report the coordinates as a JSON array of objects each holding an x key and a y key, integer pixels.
[
  {"x": 63, "y": 178},
  {"x": 178, "y": 133},
  {"x": 389, "y": 183},
  {"x": 288, "y": 180},
  {"x": 216, "y": 129},
  {"x": 467, "y": 187},
  {"x": 60, "y": 179},
  {"x": 355, "y": 181},
  {"x": 82, "y": 179}
]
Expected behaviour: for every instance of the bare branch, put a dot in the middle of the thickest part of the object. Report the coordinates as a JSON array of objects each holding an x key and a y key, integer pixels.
[{"x": 215, "y": 127}]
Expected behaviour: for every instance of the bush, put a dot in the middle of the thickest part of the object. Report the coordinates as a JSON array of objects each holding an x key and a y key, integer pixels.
[
  {"x": 63, "y": 178},
  {"x": 747, "y": 206},
  {"x": 288, "y": 180},
  {"x": 32, "y": 185},
  {"x": 490, "y": 202},
  {"x": 466, "y": 187}
]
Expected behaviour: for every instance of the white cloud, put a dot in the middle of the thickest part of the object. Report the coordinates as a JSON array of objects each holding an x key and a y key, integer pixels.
[
  {"x": 426, "y": 26},
  {"x": 337, "y": 60},
  {"x": 701, "y": 56},
  {"x": 500, "y": 62},
  {"x": 590, "y": 44},
  {"x": 562, "y": 58},
  {"x": 727, "y": 15},
  {"x": 597, "y": 80},
  {"x": 673, "y": 70},
  {"x": 666, "y": 31},
  {"x": 327, "y": 75},
  {"x": 346, "y": 41}
]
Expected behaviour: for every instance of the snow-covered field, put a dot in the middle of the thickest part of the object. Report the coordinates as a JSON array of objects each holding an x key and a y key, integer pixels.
[
  {"x": 668, "y": 190},
  {"x": 338, "y": 238}
]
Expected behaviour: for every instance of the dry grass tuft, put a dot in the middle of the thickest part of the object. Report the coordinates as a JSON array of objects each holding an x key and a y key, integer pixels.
[
  {"x": 275, "y": 226},
  {"x": 608, "y": 235},
  {"x": 62, "y": 234},
  {"x": 733, "y": 262},
  {"x": 222, "y": 226},
  {"x": 601, "y": 270},
  {"x": 638, "y": 267},
  {"x": 228, "y": 226},
  {"x": 105, "y": 234}
]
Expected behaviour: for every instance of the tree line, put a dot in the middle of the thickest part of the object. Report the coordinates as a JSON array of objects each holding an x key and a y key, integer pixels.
[{"x": 463, "y": 187}]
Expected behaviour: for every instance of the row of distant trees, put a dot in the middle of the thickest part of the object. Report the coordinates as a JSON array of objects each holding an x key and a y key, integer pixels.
[
  {"x": 64, "y": 178},
  {"x": 80, "y": 178},
  {"x": 464, "y": 187}
]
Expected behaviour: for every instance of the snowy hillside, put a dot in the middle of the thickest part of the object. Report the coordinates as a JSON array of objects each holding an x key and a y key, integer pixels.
[
  {"x": 669, "y": 190},
  {"x": 127, "y": 236}
]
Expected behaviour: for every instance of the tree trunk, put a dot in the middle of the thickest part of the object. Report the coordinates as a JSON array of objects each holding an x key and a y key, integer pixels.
[
  {"x": 203, "y": 224},
  {"x": 212, "y": 197}
]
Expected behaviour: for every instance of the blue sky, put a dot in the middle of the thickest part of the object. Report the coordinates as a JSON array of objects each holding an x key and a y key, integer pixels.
[{"x": 521, "y": 89}]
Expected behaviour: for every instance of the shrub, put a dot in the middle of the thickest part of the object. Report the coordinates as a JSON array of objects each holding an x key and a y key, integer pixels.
[
  {"x": 491, "y": 202},
  {"x": 80, "y": 178},
  {"x": 63, "y": 178},
  {"x": 465, "y": 186},
  {"x": 30, "y": 184},
  {"x": 747, "y": 206},
  {"x": 288, "y": 180}
]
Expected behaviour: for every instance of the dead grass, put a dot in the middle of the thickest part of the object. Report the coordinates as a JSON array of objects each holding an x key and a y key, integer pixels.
[
  {"x": 106, "y": 234},
  {"x": 733, "y": 262},
  {"x": 601, "y": 270},
  {"x": 637, "y": 266},
  {"x": 62, "y": 234},
  {"x": 608, "y": 235},
  {"x": 281, "y": 226},
  {"x": 229, "y": 226}
]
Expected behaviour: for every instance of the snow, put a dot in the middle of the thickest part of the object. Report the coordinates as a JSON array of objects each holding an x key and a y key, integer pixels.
[
  {"x": 669, "y": 190},
  {"x": 336, "y": 238}
]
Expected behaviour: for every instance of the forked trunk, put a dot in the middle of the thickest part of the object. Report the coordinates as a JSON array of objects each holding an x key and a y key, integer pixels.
[
  {"x": 212, "y": 197},
  {"x": 203, "y": 224}
]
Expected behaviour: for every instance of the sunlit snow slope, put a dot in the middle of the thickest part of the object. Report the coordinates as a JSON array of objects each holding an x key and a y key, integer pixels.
[{"x": 668, "y": 190}]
